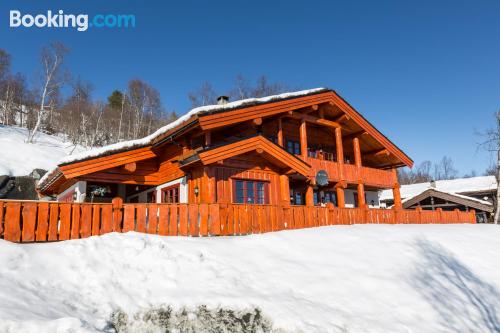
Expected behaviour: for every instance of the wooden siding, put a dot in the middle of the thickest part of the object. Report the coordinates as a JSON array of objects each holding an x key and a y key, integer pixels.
[{"x": 32, "y": 221}]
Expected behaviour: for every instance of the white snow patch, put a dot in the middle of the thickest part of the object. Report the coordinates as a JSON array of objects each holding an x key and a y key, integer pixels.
[
  {"x": 18, "y": 158},
  {"x": 460, "y": 185},
  {"x": 361, "y": 278}
]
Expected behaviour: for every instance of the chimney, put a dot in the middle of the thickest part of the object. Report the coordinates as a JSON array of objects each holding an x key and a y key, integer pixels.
[
  {"x": 222, "y": 100},
  {"x": 433, "y": 183}
]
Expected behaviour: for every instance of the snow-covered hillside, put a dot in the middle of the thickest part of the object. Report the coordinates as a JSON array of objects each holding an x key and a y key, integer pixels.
[
  {"x": 18, "y": 158},
  {"x": 362, "y": 278}
]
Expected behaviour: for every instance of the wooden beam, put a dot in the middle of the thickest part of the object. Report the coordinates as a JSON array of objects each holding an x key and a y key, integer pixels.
[
  {"x": 315, "y": 120},
  {"x": 208, "y": 138},
  {"x": 353, "y": 135},
  {"x": 377, "y": 152},
  {"x": 257, "y": 121},
  {"x": 130, "y": 167},
  {"x": 341, "y": 118}
]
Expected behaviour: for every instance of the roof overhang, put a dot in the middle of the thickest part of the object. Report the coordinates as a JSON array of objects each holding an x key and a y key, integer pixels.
[{"x": 258, "y": 144}]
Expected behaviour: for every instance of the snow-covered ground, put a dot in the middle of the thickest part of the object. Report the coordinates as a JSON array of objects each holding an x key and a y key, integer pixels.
[
  {"x": 18, "y": 158},
  {"x": 361, "y": 278}
]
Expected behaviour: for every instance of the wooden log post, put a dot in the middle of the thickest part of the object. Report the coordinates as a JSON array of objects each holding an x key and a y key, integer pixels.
[
  {"x": 117, "y": 204},
  {"x": 339, "y": 187},
  {"x": 309, "y": 195},
  {"x": 340, "y": 152},
  {"x": 395, "y": 191},
  {"x": 281, "y": 142},
  {"x": 303, "y": 139},
  {"x": 357, "y": 162},
  {"x": 284, "y": 190}
]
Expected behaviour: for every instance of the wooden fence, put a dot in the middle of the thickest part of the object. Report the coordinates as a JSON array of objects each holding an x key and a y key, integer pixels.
[{"x": 36, "y": 221}]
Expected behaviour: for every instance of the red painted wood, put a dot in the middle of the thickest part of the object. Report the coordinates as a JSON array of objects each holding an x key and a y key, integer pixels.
[
  {"x": 42, "y": 227},
  {"x": 96, "y": 220},
  {"x": 152, "y": 219},
  {"x": 75, "y": 221},
  {"x": 53, "y": 222},
  {"x": 86, "y": 221},
  {"x": 29, "y": 222},
  {"x": 128, "y": 218},
  {"x": 12, "y": 222},
  {"x": 106, "y": 219},
  {"x": 64, "y": 221}
]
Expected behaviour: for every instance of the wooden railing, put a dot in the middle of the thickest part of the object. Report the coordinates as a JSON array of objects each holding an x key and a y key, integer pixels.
[
  {"x": 369, "y": 176},
  {"x": 32, "y": 221}
]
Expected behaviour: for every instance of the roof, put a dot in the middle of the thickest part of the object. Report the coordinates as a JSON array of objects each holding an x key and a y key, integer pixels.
[
  {"x": 451, "y": 197},
  {"x": 460, "y": 185},
  {"x": 191, "y": 119}
]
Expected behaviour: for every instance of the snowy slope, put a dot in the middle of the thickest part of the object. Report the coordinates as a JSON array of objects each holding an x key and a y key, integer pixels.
[
  {"x": 362, "y": 278},
  {"x": 18, "y": 158}
]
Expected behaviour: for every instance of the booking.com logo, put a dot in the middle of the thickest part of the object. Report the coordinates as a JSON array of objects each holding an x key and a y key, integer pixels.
[{"x": 61, "y": 20}]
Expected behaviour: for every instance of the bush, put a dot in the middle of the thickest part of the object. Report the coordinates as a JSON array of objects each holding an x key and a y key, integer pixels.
[{"x": 200, "y": 320}]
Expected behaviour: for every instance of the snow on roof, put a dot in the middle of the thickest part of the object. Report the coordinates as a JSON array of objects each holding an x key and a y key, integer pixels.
[
  {"x": 452, "y": 186},
  {"x": 120, "y": 146}
]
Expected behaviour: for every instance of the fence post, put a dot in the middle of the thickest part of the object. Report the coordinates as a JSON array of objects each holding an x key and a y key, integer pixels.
[{"x": 117, "y": 204}]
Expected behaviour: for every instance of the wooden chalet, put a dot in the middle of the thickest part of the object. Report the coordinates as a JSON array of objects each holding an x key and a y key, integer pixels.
[{"x": 304, "y": 148}]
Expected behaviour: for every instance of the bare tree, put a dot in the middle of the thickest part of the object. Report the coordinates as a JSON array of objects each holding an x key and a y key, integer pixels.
[
  {"x": 52, "y": 79},
  {"x": 205, "y": 95},
  {"x": 445, "y": 169},
  {"x": 491, "y": 143}
]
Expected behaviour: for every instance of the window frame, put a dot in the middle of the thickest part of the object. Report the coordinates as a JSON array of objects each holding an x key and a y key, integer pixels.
[
  {"x": 171, "y": 190},
  {"x": 259, "y": 196}
]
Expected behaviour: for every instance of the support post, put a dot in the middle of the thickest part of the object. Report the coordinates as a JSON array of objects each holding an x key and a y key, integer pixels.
[
  {"x": 303, "y": 139},
  {"x": 361, "y": 195},
  {"x": 395, "y": 190},
  {"x": 309, "y": 195},
  {"x": 340, "y": 195},
  {"x": 340, "y": 151},
  {"x": 357, "y": 153},
  {"x": 280, "y": 133}
]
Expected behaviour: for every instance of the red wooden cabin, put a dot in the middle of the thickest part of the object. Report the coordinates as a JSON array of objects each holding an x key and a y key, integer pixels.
[{"x": 304, "y": 148}]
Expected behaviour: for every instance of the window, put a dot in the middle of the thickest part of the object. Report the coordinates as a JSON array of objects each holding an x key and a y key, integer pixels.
[
  {"x": 293, "y": 147},
  {"x": 325, "y": 197},
  {"x": 251, "y": 192},
  {"x": 151, "y": 196},
  {"x": 170, "y": 194}
]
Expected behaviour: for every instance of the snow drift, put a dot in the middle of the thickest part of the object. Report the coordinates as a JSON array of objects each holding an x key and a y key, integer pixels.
[
  {"x": 361, "y": 278},
  {"x": 18, "y": 158}
]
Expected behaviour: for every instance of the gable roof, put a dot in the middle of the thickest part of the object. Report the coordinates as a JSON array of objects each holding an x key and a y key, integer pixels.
[
  {"x": 451, "y": 197},
  {"x": 260, "y": 144},
  {"x": 265, "y": 106},
  {"x": 459, "y": 185}
]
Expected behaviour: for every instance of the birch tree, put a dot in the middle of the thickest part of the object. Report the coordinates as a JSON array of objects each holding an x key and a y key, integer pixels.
[
  {"x": 52, "y": 79},
  {"x": 492, "y": 144}
]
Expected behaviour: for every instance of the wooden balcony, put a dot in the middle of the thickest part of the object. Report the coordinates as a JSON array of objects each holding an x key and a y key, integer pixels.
[{"x": 368, "y": 176}]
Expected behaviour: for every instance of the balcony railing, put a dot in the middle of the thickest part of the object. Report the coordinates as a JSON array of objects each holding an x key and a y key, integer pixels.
[{"x": 352, "y": 174}]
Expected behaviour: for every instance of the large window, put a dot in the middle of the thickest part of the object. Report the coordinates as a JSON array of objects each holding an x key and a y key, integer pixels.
[
  {"x": 251, "y": 192},
  {"x": 170, "y": 194}
]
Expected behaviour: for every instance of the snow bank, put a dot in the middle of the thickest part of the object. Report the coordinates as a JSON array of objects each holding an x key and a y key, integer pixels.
[
  {"x": 18, "y": 158},
  {"x": 362, "y": 278},
  {"x": 460, "y": 185}
]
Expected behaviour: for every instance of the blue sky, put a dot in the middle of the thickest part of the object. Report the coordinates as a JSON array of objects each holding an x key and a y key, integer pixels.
[{"x": 426, "y": 73}]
